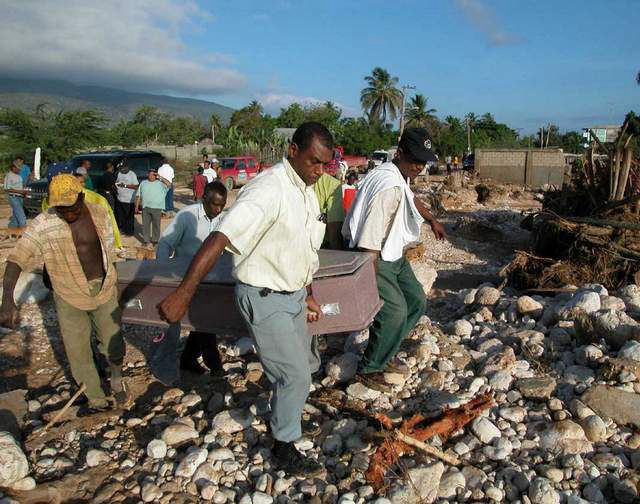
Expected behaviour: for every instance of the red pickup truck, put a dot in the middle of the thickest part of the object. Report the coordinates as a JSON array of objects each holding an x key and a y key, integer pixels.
[{"x": 237, "y": 171}]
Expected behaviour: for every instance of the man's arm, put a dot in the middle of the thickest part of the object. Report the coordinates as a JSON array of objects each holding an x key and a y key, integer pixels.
[
  {"x": 171, "y": 237},
  {"x": 175, "y": 305},
  {"x": 9, "y": 310},
  {"x": 438, "y": 229},
  {"x": 164, "y": 181}
]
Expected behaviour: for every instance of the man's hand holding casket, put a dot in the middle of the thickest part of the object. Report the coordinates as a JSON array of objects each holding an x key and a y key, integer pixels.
[{"x": 174, "y": 306}]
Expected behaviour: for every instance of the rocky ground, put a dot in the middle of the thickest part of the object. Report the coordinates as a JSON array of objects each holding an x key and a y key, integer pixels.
[{"x": 564, "y": 368}]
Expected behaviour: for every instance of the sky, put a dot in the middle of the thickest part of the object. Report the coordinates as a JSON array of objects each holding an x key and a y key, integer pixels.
[{"x": 528, "y": 62}]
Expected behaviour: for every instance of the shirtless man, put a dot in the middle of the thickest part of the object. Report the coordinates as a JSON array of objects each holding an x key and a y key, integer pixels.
[{"x": 75, "y": 241}]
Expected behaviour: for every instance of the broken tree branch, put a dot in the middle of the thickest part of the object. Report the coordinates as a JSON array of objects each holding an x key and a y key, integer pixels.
[
  {"x": 59, "y": 414},
  {"x": 431, "y": 450},
  {"x": 450, "y": 421}
]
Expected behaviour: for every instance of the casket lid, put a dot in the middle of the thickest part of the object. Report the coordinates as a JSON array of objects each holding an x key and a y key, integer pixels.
[{"x": 171, "y": 272}]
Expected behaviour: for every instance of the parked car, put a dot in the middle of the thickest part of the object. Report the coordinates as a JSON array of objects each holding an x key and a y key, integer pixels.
[
  {"x": 468, "y": 162},
  {"x": 139, "y": 162},
  {"x": 237, "y": 171}
]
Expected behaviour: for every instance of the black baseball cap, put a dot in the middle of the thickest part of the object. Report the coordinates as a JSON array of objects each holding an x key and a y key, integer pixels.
[{"x": 417, "y": 143}]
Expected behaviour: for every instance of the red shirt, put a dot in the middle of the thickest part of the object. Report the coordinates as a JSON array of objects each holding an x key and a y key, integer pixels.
[{"x": 199, "y": 182}]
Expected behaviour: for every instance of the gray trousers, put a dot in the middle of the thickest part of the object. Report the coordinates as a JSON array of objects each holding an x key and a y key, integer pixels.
[
  {"x": 151, "y": 219},
  {"x": 278, "y": 325}
]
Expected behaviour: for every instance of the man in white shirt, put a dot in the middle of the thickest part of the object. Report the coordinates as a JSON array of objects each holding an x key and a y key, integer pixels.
[
  {"x": 183, "y": 238},
  {"x": 274, "y": 230},
  {"x": 384, "y": 220},
  {"x": 127, "y": 183},
  {"x": 210, "y": 172},
  {"x": 166, "y": 172}
]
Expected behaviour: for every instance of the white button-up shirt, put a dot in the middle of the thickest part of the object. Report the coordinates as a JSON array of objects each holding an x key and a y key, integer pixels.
[
  {"x": 275, "y": 230},
  {"x": 187, "y": 231}
]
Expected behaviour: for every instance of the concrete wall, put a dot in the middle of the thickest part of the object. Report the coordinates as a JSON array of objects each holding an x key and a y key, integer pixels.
[
  {"x": 533, "y": 168},
  {"x": 180, "y": 153}
]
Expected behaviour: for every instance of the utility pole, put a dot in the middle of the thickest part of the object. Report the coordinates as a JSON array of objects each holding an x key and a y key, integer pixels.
[
  {"x": 404, "y": 88},
  {"x": 466, "y": 119}
]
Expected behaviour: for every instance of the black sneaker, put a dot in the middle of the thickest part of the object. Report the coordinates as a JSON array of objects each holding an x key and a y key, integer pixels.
[{"x": 288, "y": 459}]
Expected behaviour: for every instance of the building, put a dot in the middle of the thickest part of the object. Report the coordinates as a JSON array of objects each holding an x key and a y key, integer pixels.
[{"x": 603, "y": 133}]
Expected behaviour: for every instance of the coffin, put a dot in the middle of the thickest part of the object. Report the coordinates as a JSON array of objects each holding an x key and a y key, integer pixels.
[{"x": 345, "y": 278}]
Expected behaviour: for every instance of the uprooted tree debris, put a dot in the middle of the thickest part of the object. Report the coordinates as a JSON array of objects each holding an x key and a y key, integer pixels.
[
  {"x": 414, "y": 431},
  {"x": 589, "y": 231}
]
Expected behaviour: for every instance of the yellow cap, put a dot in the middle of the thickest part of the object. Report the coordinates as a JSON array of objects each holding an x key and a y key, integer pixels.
[{"x": 64, "y": 190}]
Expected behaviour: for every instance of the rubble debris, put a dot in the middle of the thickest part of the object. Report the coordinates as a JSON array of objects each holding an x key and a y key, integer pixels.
[{"x": 451, "y": 421}]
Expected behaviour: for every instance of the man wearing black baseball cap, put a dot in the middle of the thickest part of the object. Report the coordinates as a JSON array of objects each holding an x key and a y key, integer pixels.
[{"x": 385, "y": 219}]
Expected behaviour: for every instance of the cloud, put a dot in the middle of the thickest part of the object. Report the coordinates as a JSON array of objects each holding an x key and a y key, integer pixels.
[
  {"x": 134, "y": 45},
  {"x": 273, "y": 102},
  {"x": 485, "y": 21}
]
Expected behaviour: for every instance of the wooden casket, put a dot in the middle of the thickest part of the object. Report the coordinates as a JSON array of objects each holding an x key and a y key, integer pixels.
[{"x": 345, "y": 280}]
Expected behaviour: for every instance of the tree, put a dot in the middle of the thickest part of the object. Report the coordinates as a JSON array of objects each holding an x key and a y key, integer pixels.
[
  {"x": 59, "y": 134},
  {"x": 419, "y": 114},
  {"x": 638, "y": 78},
  {"x": 381, "y": 96},
  {"x": 248, "y": 118}
]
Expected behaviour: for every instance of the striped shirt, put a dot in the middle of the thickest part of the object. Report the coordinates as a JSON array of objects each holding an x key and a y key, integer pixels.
[{"x": 48, "y": 240}]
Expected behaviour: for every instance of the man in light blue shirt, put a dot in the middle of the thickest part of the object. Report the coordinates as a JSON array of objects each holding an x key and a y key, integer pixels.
[
  {"x": 150, "y": 195},
  {"x": 183, "y": 238}
]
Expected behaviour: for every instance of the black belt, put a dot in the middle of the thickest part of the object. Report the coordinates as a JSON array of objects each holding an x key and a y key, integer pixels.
[{"x": 265, "y": 292}]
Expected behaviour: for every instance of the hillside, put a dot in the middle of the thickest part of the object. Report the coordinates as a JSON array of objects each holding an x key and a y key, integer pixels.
[{"x": 115, "y": 103}]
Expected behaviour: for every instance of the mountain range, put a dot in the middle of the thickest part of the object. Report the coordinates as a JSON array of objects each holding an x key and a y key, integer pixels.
[{"x": 114, "y": 103}]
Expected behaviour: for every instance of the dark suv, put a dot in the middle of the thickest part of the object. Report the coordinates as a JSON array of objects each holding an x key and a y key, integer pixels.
[{"x": 139, "y": 162}]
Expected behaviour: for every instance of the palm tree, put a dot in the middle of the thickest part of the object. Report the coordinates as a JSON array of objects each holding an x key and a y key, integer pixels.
[
  {"x": 419, "y": 114},
  {"x": 471, "y": 120},
  {"x": 381, "y": 96}
]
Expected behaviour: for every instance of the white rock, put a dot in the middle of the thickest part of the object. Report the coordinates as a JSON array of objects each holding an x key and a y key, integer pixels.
[
  {"x": 587, "y": 354},
  {"x": 242, "y": 346},
  {"x": 190, "y": 400},
  {"x": 462, "y": 328},
  {"x": 342, "y": 368},
  {"x": 24, "y": 484},
  {"x": 33, "y": 406},
  {"x": 97, "y": 457},
  {"x": 450, "y": 483},
  {"x": 487, "y": 296},
  {"x": 208, "y": 491},
  {"x": 565, "y": 437},
  {"x": 360, "y": 391},
  {"x": 542, "y": 492},
  {"x": 616, "y": 328},
  {"x": 631, "y": 297},
  {"x": 528, "y": 306},
  {"x": 356, "y": 342},
  {"x": 630, "y": 350},
  {"x": 157, "y": 449},
  {"x": 587, "y": 301},
  {"x": 485, "y": 430},
  {"x": 594, "y": 428},
  {"x": 424, "y": 274},
  {"x": 232, "y": 421},
  {"x": 29, "y": 289},
  {"x": 150, "y": 492},
  {"x": 513, "y": 414},
  {"x": 261, "y": 498},
  {"x": 13, "y": 463},
  {"x": 178, "y": 433},
  {"x": 423, "y": 489},
  {"x": 221, "y": 454},
  {"x": 191, "y": 462},
  {"x": 612, "y": 303}
]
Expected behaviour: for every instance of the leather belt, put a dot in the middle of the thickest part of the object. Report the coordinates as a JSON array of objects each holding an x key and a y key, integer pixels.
[{"x": 265, "y": 292}]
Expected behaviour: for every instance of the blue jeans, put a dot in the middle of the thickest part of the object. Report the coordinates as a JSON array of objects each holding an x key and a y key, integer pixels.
[
  {"x": 168, "y": 201},
  {"x": 18, "y": 219}
]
